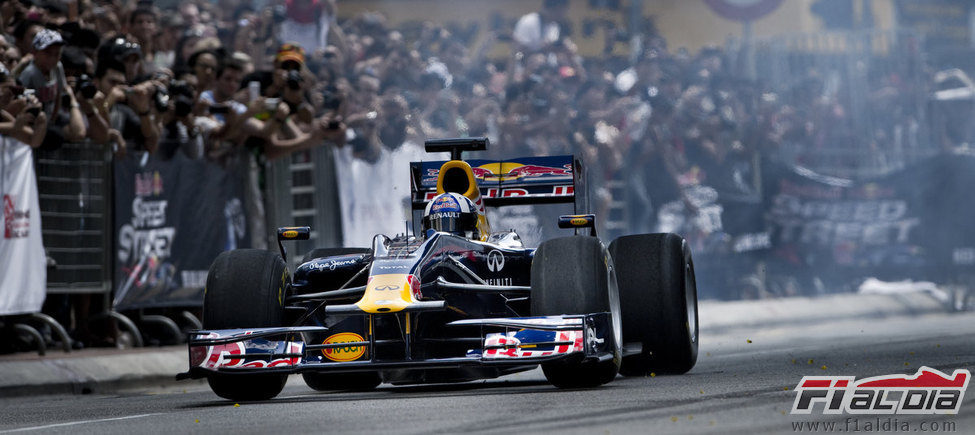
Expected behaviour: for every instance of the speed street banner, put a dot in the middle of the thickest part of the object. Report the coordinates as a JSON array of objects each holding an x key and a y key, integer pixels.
[
  {"x": 913, "y": 222},
  {"x": 172, "y": 218}
]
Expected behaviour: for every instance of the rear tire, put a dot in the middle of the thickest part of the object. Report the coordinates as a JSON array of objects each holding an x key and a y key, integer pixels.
[
  {"x": 573, "y": 275},
  {"x": 246, "y": 289},
  {"x": 658, "y": 294}
]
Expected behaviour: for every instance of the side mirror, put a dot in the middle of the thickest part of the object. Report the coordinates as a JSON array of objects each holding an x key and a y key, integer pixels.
[
  {"x": 579, "y": 221},
  {"x": 291, "y": 233}
]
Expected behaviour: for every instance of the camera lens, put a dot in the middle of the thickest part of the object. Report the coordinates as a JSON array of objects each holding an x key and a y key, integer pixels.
[{"x": 294, "y": 80}]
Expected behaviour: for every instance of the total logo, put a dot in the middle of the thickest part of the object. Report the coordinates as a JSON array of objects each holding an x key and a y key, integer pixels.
[{"x": 929, "y": 391}]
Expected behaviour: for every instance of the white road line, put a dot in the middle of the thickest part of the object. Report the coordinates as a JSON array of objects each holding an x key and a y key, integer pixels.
[{"x": 49, "y": 426}]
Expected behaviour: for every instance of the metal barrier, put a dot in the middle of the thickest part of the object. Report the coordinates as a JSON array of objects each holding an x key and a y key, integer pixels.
[
  {"x": 75, "y": 185},
  {"x": 866, "y": 92},
  {"x": 303, "y": 191}
]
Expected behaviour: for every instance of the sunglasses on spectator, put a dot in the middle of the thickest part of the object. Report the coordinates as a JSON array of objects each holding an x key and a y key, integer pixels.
[{"x": 290, "y": 65}]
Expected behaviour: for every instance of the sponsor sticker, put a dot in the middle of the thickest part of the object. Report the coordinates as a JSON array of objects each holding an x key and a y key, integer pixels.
[
  {"x": 495, "y": 260},
  {"x": 344, "y": 353},
  {"x": 928, "y": 391}
]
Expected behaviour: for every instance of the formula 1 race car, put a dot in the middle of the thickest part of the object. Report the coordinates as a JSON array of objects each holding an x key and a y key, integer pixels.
[{"x": 456, "y": 303}]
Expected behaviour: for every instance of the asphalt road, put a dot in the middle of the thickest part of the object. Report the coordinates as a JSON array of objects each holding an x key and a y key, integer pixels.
[{"x": 743, "y": 383}]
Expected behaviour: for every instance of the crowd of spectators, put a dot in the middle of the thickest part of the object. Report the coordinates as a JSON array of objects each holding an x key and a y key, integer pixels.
[
  {"x": 138, "y": 78},
  {"x": 207, "y": 78}
]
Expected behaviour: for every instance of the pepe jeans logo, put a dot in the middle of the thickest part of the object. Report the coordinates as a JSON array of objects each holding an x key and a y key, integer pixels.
[
  {"x": 332, "y": 264},
  {"x": 495, "y": 260},
  {"x": 929, "y": 391}
]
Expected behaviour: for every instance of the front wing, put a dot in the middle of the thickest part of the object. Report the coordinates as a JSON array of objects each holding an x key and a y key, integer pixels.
[{"x": 513, "y": 341}]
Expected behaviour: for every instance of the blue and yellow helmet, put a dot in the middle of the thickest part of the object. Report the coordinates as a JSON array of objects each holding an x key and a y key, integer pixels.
[{"x": 452, "y": 213}]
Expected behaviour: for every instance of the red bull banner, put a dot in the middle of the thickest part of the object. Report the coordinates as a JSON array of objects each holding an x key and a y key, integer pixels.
[{"x": 172, "y": 218}]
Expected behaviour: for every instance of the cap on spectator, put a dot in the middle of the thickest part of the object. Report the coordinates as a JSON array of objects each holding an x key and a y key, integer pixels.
[
  {"x": 290, "y": 51},
  {"x": 46, "y": 38},
  {"x": 122, "y": 48}
]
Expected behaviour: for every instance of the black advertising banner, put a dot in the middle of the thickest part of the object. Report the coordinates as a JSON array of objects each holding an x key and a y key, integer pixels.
[
  {"x": 172, "y": 218},
  {"x": 913, "y": 222},
  {"x": 943, "y": 23}
]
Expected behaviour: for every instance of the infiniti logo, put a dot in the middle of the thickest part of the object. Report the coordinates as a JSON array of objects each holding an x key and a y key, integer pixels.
[
  {"x": 387, "y": 287},
  {"x": 495, "y": 260}
]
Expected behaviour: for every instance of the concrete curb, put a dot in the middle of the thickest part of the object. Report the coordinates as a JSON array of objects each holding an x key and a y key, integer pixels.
[
  {"x": 715, "y": 315},
  {"x": 82, "y": 374},
  {"x": 108, "y": 370}
]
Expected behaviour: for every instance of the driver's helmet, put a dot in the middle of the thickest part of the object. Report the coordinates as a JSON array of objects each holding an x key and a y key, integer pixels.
[{"x": 451, "y": 213}]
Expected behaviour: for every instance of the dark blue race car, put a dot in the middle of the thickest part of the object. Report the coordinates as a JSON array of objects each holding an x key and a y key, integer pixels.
[{"x": 457, "y": 302}]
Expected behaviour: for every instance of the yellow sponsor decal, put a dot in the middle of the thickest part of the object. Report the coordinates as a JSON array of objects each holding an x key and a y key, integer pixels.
[
  {"x": 579, "y": 221},
  {"x": 290, "y": 234},
  {"x": 344, "y": 353}
]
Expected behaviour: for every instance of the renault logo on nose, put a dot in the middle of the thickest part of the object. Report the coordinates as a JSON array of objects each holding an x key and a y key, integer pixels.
[
  {"x": 495, "y": 261},
  {"x": 387, "y": 287}
]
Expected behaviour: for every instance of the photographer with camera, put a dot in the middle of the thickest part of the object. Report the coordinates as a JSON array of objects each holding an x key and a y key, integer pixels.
[
  {"x": 21, "y": 117},
  {"x": 45, "y": 75},
  {"x": 179, "y": 126},
  {"x": 128, "y": 108},
  {"x": 78, "y": 69},
  {"x": 292, "y": 125},
  {"x": 233, "y": 121}
]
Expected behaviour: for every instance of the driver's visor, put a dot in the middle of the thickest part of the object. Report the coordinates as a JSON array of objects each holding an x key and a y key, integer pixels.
[{"x": 451, "y": 222}]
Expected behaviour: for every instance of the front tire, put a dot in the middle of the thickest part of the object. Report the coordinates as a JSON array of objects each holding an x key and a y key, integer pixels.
[
  {"x": 658, "y": 293},
  {"x": 573, "y": 275},
  {"x": 246, "y": 289}
]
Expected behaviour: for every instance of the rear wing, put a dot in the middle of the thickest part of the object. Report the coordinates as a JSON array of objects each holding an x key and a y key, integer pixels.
[{"x": 526, "y": 180}]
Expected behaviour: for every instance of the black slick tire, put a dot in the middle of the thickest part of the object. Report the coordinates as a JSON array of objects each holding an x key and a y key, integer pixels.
[
  {"x": 658, "y": 295},
  {"x": 573, "y": 275},
  {"x": 246, "y": 289}
]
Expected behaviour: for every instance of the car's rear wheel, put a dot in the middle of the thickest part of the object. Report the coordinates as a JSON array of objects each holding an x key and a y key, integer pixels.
[
  {"x": 573, "y": 275},
  {"x": 658, "y": 294},
  {"x": 246, "y": 289}
]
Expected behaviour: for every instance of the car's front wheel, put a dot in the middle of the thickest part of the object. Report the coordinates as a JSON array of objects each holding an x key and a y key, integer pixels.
[
  {"x": 246, "y": 289},
  {"x": 574, "y": 275}
]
